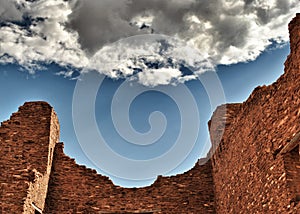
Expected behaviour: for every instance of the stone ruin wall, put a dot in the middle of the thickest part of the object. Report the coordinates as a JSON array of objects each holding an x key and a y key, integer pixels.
[
  {"x": 27, "y": 143},
  {"x": 30, "y": 152},
  {"x": 256, "y": 166},
  {"x": 76, "y": 189},
  {"x": 255, "y": 169}
]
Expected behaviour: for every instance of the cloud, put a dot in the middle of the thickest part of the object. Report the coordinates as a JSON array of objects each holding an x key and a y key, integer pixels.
[
  {"x": 162, "y": 76},
  {"x": 40, "y": 36},
  {"x": 9, "y": 11},
  {"x": 65, "y": 74},
  {"x": 150, "y": 60},
  {"x": 73, "y": 32},
  {"x": 226, "y": 31}
]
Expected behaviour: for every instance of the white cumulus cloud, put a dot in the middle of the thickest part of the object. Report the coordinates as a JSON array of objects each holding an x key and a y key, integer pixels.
[
  {"x": 73, "y": 33},
  {"x": 40, "y": 36}
]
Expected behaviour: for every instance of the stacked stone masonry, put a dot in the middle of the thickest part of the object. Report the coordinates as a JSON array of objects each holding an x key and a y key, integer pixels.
[
  {"x": 27, "y": 143},
  {"x": 75, "y": 189},
  {"x": 250, "y": 171},
  {"x": 253, "y": 165}
]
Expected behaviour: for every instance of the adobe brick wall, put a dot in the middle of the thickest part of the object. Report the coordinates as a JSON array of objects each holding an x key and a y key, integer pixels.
[
  {"x": 76, "y": 189},
  {"x": 26, "y": 141},
  {"x": 251, "y": 175}
]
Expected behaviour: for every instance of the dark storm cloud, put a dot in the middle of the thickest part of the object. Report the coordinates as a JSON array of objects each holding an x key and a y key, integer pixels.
[
  {"x": 105, "y": 21},
  {"x": 9, "y": 11},
  {"x": 99, "y": 22}
]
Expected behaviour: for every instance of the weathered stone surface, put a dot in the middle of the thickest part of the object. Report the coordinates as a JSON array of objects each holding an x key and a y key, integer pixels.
[
  {"x": 27, "y": 142},
  {"x": 254, "y": 169},
  {"x": 251, "y": 174},
  {"x": 76, "y": 189}
]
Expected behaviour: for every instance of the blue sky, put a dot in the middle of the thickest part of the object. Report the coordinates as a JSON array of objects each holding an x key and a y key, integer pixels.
[
  {"x": 134, "y": 83},
  {"x": 238, "y": 81}
]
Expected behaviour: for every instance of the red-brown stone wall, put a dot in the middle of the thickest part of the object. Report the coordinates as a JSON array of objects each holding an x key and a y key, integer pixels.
[
  {"x": 292, "y": 170},
  {"x": 25, "y": 146},
  {"x": 76, "y": 189},
  {"x": 250, "y": 172}
]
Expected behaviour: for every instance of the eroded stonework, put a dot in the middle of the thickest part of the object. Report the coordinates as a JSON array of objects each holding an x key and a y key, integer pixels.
[
  {"x": 27, "y": 142},
  {"x": 254, "y": 169}
]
